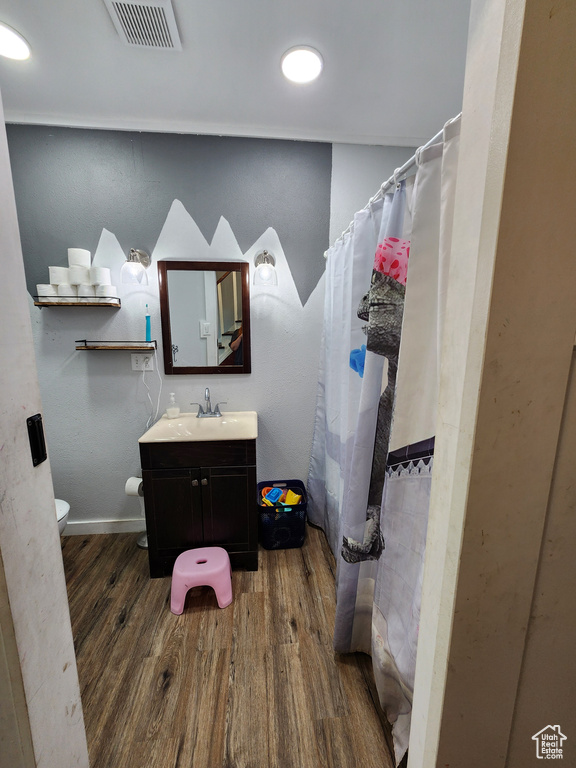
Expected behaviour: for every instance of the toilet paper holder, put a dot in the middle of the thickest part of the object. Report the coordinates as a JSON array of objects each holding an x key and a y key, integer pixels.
[{"x": 135, "y": 487}]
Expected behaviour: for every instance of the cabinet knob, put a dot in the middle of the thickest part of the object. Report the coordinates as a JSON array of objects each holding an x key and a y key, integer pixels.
[
  {"x": 204, "y": 481},
  {"x": 194, "y": 483}
]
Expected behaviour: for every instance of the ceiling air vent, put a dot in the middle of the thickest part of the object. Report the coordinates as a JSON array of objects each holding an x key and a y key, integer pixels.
[{"x": 145, "y": 23}]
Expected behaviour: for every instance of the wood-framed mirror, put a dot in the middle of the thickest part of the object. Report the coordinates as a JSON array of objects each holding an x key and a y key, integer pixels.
[{"x": 205, "y": 314}]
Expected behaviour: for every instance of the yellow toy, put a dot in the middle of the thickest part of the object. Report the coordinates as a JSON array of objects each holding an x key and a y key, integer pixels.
[{"x": 293, "y": 498}]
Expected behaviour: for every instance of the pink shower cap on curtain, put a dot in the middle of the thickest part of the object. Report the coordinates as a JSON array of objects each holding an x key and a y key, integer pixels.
[{"x": 392, "y": 258}]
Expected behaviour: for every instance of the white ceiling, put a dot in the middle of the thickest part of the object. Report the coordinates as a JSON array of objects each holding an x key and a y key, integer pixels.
[{"x": 393, "y": 69}]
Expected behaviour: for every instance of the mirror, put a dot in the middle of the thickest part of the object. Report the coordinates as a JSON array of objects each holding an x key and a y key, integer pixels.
[{"x": 205, "y": 314}]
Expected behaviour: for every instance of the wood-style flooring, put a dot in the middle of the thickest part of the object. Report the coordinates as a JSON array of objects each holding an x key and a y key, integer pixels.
[{"x": 254, "y": 685}]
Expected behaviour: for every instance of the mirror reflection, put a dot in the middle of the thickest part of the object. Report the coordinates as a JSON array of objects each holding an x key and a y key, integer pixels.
[{"x": 205, "y": 316}]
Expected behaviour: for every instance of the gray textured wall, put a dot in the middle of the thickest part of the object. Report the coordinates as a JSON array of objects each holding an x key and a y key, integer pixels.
[{"x": 70, "y": 183}]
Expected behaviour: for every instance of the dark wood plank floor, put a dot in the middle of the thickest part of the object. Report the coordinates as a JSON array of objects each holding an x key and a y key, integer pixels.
[{"x": 255, "y": 685}]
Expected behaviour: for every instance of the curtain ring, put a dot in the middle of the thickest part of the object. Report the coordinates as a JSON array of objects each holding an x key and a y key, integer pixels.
[{"x": 395, "y": 176}]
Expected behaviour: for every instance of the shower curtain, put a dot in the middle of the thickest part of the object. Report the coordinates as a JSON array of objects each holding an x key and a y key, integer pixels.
[
  {"x": 381, "y": 517},
  {"x": 348, "y": 270}
]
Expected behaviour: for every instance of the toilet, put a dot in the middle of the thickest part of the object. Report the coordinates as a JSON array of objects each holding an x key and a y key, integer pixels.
[{"x": 62, "y": 509}]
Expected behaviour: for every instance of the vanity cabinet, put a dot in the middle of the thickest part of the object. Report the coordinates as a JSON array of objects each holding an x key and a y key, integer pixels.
[{"x": 199, "y": 494}]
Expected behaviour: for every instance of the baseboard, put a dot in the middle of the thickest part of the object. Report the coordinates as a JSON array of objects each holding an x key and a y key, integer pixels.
[{"x": 85, "y": 527}]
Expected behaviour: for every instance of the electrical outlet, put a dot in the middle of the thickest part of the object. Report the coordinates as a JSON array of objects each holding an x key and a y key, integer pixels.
[{"x": 142, "y": 362}]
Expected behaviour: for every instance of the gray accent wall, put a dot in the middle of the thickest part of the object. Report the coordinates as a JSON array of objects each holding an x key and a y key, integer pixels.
[{"x": 70, "y": 183}]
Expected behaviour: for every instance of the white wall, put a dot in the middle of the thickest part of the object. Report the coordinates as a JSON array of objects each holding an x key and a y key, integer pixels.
[{"x": 358, "y": 171}]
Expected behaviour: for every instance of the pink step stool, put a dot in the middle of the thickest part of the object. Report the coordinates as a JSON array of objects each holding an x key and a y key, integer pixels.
[{"x": 206, "y": 566}]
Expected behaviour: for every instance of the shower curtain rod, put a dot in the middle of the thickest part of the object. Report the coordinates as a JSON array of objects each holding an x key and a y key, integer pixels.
[{"x": 399, "y": 174}]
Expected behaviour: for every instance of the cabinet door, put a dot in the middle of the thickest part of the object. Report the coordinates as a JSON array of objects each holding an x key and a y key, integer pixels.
[
  {"x": 173, "y": 508},
  {"x": 229, "y": 505}
]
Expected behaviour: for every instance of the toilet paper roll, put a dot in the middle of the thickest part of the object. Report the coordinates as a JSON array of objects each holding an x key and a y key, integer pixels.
[
  {"x": 86, "y": 290},
  {"x": 134, "y": 487},
  {"x": 107, "y": 290},
  {"x": 65, "y": 289},
  {"x": 78, "y": 257},
  {"x": 100, "y": 276},
  {"x": 78, "y": 275},
  {"x": 46, "y": 291},
  {"x": 67, "y": 293},
  {"x": 58, "y": 275}
]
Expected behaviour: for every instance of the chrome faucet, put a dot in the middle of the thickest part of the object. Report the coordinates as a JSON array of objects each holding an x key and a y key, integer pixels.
[{"x": 207, "y": 411}]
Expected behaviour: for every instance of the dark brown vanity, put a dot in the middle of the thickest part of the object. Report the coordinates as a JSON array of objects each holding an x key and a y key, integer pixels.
[{"x": 200, "y": 494}]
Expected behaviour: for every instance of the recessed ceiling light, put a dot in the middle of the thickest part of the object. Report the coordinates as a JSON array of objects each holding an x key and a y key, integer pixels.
[
  {"x": 12, "y": 44},
  {"x": 302, "y": 64}
]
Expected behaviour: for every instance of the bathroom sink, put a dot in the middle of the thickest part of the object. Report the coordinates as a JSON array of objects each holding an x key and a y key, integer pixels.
[{"x": 232, "y": 425}]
